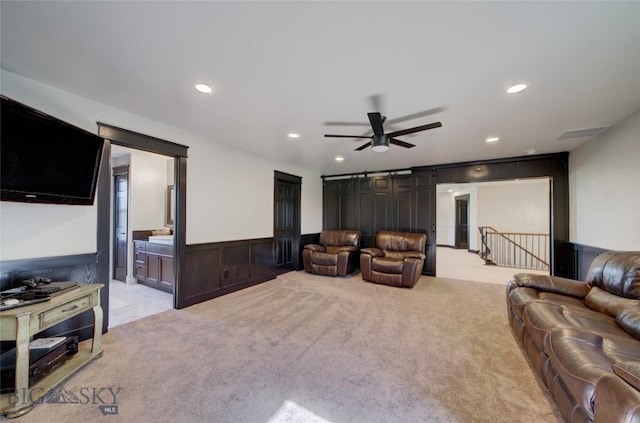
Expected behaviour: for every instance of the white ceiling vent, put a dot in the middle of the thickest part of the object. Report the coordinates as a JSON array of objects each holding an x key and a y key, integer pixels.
[{"x": 582, "y": 133}]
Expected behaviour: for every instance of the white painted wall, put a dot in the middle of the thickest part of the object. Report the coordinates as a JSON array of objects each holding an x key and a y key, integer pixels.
[
  {"x": 515, "y": 206},
  {"x": 446, "y": 214},
  {"x": 215, "y": 212},
  {"x": 604, "y": 187}
]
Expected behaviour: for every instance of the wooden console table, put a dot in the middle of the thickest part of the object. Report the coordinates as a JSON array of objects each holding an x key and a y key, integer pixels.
[{"x": 20, "y": 324}]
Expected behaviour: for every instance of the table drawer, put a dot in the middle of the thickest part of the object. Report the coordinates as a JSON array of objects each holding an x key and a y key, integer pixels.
[{"x": 64, "y": 311}]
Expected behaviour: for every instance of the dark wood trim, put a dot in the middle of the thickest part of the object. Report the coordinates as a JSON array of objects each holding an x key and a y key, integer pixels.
[
  {"x": 576, "y": 258},
  {"x": 131, "y": 139},
  {"x": 287, "y": 177},
  {"x": 180, "y": 231},
  {"x": 103, "y": 231},
  {"x": 139, "y": 141}
]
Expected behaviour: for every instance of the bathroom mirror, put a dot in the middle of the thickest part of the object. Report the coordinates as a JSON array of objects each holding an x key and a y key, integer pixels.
[{"x": 170, "y": 205}]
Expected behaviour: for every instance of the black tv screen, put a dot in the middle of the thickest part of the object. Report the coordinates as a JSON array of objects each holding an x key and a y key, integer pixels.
[{"x": 46, "y": 160}]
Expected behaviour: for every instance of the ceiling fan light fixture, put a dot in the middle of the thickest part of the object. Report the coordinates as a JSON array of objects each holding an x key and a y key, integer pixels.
[
  {"x": 516, "y": 88},
  {"x": 380, "y": 148},
  {"x": 204, "y": 88}
]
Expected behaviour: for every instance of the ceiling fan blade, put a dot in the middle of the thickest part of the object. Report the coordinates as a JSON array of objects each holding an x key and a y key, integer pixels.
[
  {"x": 338, "y": 123},
  {"x": 401, "y": 143},
  {"x": 363, "y": 146},
  {"x": 417, "y": 115},
  {"x": 376, "y": 123},
  {"x": 416, "y": 129},
  {"x": 344, "y": 136}
]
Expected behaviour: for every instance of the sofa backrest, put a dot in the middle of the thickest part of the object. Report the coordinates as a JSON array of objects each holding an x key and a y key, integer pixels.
[
  {"x": 617, "y": 272},
  {"x": 340, "y": 238},
  {"x": 401, "y": 241}
]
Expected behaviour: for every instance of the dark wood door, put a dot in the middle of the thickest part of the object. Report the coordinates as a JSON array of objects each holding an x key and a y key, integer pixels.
[
  {"x": 120, "y": 217},
  {"x": 286, "y": 222},
  {"x": 462, "y": 222}
]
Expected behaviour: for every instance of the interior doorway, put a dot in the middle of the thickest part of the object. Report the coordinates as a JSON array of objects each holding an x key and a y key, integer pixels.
[
  {"x": 517, "y": 206},
  {"x": 462, "y": 222},
  {"x": 141, "y": 200}
]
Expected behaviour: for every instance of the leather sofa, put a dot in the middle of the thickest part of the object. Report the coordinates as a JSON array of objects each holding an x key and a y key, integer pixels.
[
  {"x": 335, "y": 255},
  {"x": 583, "y": 337},
  {"x": 397, "y": 259}
]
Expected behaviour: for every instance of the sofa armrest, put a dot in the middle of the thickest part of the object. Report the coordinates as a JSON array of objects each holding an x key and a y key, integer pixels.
[
  {"x": 315, "y": 247},
  {"x": 552, "y": 284},
  {"x": 629, "y": 371},
  {"x": 415, "y": 254},
  {"x": 342, "y": 249},
  {"x": 615, "y": 400},
  {"x": 374, "y": 252}
]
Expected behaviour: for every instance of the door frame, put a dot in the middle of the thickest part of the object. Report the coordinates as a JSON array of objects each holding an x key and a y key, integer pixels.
[
  {"x": 135, "y": 140},
  {"x": 118, "y": 171},
  {"x": 295, "y": 243},
  {"x": 466, "y": 198}
]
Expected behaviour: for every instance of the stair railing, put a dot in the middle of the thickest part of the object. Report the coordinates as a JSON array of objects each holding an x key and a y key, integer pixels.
[{"x": 514, "y": 249}]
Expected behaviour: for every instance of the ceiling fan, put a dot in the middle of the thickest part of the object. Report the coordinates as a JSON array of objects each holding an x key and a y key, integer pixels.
[{"x": 379, "y": 139}]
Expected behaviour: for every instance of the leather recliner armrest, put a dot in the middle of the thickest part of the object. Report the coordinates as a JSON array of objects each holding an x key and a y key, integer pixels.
[
  {"x": 315, "y": 247},
  {"x": 552, "y": 284},
  {"x": 374, "y": 252},
  {"x": 342, "y": 249},
  {"x": 415, "y": 255}
]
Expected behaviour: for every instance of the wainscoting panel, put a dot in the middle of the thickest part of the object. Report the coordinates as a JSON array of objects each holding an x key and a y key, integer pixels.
[
  {"x": 218, "y": 268},
  {"x": 573, "y": 260},
  {"x": 79, "y": 268}
]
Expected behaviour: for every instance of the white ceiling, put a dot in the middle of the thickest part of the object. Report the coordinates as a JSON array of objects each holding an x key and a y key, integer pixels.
[{"x": 278, "y": 67}]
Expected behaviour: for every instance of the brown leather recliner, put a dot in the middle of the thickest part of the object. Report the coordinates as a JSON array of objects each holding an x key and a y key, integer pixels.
[
  {"x": 397, "y": 259},
  {"x": 335, "y": 255}
]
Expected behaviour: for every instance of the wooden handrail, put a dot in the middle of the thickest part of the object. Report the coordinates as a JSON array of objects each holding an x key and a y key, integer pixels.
[{"x": 509, "y": 240}]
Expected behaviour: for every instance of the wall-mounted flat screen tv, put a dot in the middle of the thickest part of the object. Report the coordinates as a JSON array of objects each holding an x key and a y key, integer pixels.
[{"x": 46, "y": 160}]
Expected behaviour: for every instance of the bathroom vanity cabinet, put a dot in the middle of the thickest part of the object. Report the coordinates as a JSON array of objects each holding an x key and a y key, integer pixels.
[{"x": 154, "y": 265}]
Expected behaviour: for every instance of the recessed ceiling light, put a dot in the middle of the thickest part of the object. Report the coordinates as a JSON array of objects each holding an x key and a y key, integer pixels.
[
  {"x": 339, "y": 159},
  {"x": 516, "y": 88},
  {"x": 492, "y": 139},
  {"x": 531, "y": 151},
  {"x": 293, "y": 135},
  {"x": 204, "y": 88}
]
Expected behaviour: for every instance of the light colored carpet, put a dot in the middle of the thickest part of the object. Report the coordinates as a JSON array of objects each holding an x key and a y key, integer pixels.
[
  {"x": 461, "y": 264},
  {"x": 306, "y": 348}
]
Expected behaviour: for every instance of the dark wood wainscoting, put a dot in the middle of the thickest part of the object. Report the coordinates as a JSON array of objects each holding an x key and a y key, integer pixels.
[
  {"x": 575, "y": 259},
  {"x": 218, "y": 268},
  {"x": 81, "y": 268}
]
